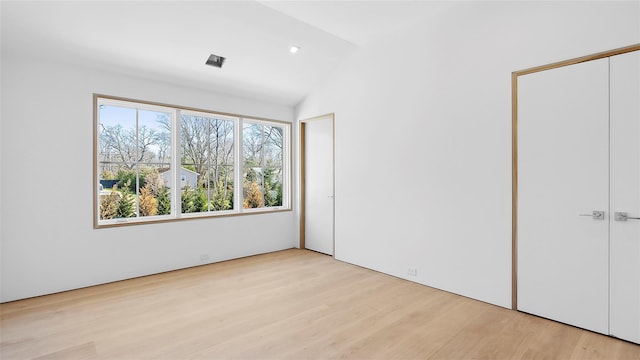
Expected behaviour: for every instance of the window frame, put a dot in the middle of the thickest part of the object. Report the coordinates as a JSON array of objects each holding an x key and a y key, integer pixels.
[
  {"x": 286, "y": 170},
  {"x": 175, "y": 163},
  {"x": 210, "y": 115}
]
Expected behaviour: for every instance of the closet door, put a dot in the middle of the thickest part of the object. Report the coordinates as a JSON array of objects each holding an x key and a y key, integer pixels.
[
  {"x": 625, "y": 196},
  {"x": 563, "y": 176}
]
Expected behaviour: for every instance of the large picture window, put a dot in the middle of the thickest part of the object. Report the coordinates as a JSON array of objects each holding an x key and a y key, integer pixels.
[{"x": 158, "y": 162}]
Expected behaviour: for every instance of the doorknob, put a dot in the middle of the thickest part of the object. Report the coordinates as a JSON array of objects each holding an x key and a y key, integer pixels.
[
  {"x": 623, "y": 216},
  {"x": 596, "y": 215}
]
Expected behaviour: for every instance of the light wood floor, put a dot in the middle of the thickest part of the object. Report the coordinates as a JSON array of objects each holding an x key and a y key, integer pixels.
[{"x": 292, "y": 304}]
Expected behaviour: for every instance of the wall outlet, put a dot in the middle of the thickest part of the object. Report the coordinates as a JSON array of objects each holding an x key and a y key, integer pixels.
[
  {"x": 204, "y": 257},
  {"x": 412, "y": 271}
]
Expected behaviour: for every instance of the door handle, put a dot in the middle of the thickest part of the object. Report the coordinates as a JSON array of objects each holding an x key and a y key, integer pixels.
[
  {"x": 596, "y": 215},
  {"x": 623, "y": 216}
]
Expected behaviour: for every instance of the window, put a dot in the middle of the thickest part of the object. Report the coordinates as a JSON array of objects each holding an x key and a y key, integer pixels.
[
  {"x": 206, "y": 161},
  {"x": 157, "y": 162},
  {"x": 133, "y": 155},
  {"x": 262, "y": 165}
]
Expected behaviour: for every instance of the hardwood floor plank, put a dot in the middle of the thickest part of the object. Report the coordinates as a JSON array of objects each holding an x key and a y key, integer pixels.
[
  {"x": 80, "y": 352},
  {"x": 595, "y": 346},
  {"x": 292, "y": 304}
]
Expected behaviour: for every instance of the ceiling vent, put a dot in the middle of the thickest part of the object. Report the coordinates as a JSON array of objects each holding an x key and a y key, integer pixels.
[{"x": 215, "y": 60}]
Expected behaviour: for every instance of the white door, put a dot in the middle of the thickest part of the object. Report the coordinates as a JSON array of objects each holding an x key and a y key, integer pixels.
[
  {"x": 625, "y": 196},
  {"x": 563, "y": 176},
  {"x": 318, "y": 189}
]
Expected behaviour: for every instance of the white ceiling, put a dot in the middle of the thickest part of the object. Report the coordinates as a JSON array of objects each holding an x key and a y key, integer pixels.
[{"x": 171, "y": 40}]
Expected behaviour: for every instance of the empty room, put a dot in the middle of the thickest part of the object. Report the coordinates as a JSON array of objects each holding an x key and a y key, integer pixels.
[{"x": 320, "y": 179}]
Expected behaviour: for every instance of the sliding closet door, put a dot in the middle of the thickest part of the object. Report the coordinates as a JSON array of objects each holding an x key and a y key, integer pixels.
[
  {"x": 563, "y": 167},
  {"x": 625, "y": 196}
]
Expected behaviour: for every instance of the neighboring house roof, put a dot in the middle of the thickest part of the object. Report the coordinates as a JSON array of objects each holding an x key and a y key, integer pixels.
[{"x": 164, "y": 170}]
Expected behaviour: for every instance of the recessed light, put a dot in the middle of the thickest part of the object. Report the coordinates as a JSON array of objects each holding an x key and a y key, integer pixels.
[
  {"x": 294, "y": 49},
  {"x": 215, "y": 60}
]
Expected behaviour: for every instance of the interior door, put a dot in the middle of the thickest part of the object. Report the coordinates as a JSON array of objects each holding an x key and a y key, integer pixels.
[
  {"x": 563, "y": 167},
  {"x": 625, "y": 196},
  {"x": 318, "y": 185}
]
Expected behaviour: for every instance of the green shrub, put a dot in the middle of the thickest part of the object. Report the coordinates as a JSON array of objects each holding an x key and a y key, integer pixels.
[
  {"x": 127, "y": 204},
  {"x": 164, "y": 201},
  {"x": 221, "y": 199},
  {"x": 127, "y": 179}
]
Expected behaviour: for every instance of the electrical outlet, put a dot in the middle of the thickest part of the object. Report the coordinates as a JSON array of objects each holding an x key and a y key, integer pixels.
[
  {"x": 204, "y": 257},
  {"x": 412, "y": 271}
]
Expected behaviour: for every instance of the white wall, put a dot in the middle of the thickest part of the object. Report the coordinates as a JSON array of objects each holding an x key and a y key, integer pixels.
[
  {"x": 423, "y": 136},
  {"x": 48, "y": 242}
]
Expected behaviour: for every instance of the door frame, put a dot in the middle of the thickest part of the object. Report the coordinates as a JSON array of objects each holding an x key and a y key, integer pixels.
[
  {"x": 514, "y": 149},
  {"x": 302, "y": 167}
]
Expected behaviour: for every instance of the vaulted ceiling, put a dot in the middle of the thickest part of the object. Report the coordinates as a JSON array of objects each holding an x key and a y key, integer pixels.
[{"x": 171, "y": 40}]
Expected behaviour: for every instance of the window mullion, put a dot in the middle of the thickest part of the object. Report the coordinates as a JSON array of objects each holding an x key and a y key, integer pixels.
[
  {"x": 238, "y": 167},
  {"x": 208, "y": 177},
  {"x": 176, "y": 203},
  {"x": 137, "y": 163},
  {"x": 263, "y": 143}
]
